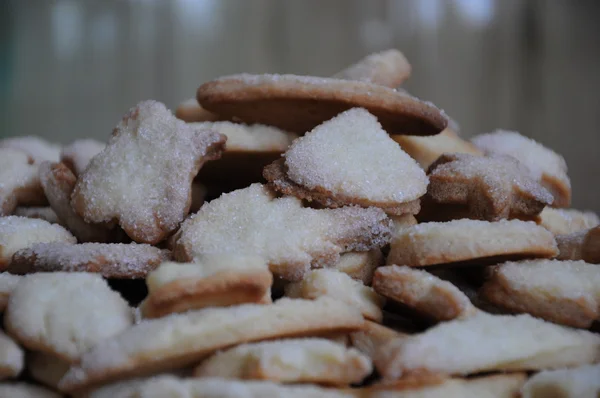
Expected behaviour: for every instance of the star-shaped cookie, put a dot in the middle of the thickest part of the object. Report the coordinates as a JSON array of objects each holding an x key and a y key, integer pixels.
[{"x": 490, "y": 188}]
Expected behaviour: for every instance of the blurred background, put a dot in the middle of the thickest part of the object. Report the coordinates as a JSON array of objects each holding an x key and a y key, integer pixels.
[{"x": 71, "y": 68}]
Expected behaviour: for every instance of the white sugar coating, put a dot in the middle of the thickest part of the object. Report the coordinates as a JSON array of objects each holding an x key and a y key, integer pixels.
[
  {"x": 567, "y": 221},
  {"x": 108, "y": 259},
  {"x": 504, "y": 342},
  {"x": 45, "y": 213},
  {"x": 338, "y": 285},
  {"x": 290, "y": 360},
  {"x": 287, "y": 235},
  {"x": 21, "y": 232},
  {"x": 8, "y": 282},
  {"x": 202, "y": 267},
  {"x": 351, "y": 155},
  {"x": 388, "y": 68},
  {"x": 36, "y": 147},
  {"x": 583, "y": 381},
  {"x": 79, "y": 153},
  {"x": 12, "y": 357},
  {"x": 16, "y": 174},
  {"x": 26, "y": 390},
  {"x": 538, "y": 159},
  {"x": 250, "y": 137},
  {"x": 144, "y": 175},
  {"x": 65, "y": 314}
]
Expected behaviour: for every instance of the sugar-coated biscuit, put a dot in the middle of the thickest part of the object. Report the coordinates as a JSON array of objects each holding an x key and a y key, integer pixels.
[
  {"x": 564, "y": 292},
  {"x": 78, "y": 154},
  {"x": 11, "y": 357},
  {"x": 583, "y": 245},
  {"x": 8, "y": 283},
  {"x": 545, "y": 165},
  {"x": 143, "y": 178},
  {"x": 425, "y": 293},
  {"x": 490, "y": 187},
  {"x": 289, "y": 236},
  {"x": 350, "y": 160},
  {"x": 65, "y": 314},
  {"x": 387, "y": 68},
  {"x": 372, "y": 336},
  {"x": 190, "y": 111},
  {"x": 111, "y": 260},
  {"x": 309, "y": 360},
  {"x": 567, "y": 221},
  {"x": 19, "y": 181},
  {"x": 18, "y": 233},
  {"x": 44, "y": 213},
  {"x": 338, "y": 285},
  {"x": 26, "y": 390},
  {"x": 502, "y": 342},
  {"x": 37, "y": 148},
  {"x": 218, "y": 280},
  {"x": 465, "y": 240},
  {"x": 583, "y": 381},
  {"x": 45, "y": 368},
  {"x": 178, "y": 340},
  {"x": 299, "y": 103},
  {"x": 360, "y": 265}
]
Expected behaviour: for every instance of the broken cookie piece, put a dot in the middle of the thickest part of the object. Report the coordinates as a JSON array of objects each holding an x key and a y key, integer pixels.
[
  {"x": 490, "y": 187},
  {"x": 19, "y": 181},
  {"x": 290, "y": 237},
  {"x": 350, "y": 160},
  {"x": 78, "y": 154},
  {"x": 143, "y": 178},
  {"x": 37, "y": 148},
  {"x": 386, "y": 68}
]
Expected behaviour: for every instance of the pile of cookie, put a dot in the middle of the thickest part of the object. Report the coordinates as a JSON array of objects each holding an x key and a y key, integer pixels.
[{"x": 295, "y": 236}]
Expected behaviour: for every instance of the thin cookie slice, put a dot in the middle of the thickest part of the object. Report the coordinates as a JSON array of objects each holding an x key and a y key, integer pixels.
[
  {"x": 190, "y": 111},
  {"x": 19, "y": 182},
  {"x": 58, "y": 182},
  {"x": 372, "y": 336},
  {"x": 65, "y": 314},
  {"x": 300, "y": 103},
  {"x": 18, "y": 233},
  {"x": 43, "y": 213},
  {"x": 428, "y": 295},
  {"x": 583, "y": 381},
  {"x": 350, "y": 160},
  {"x": 583, "y": 245},
  {"x": 331, "y": 283},
  {"x": 506, "y": 343},
  {"x": 360, "y": 266},
  {"x": 564, "y": 292},
  {"x": 466, "y": 240},
  {"x": 310, "y": 360},
  {"x": 142, "y": 179},
  {"x": 386, "y": 68},
  {"x": 26, "y": 390},
  {"x": 426, "y": 150},
  {"x": 289, "y": 236},
  {"x": 8, "y": 283},
  {"x": 111, "y": 260},
  {"x": 36, "y": 148},
  {"x": 491, "y": 187},
  {"x": 11, "y": 357},
  {"x": 567, "y": 221},
  {"x": 218, "y": 280},
  {"x": 78, "y": 154},
  {"x": 46, "y": 369},
  {"x": 178, "y": 340},
  {"x": 545, "y": 165}
]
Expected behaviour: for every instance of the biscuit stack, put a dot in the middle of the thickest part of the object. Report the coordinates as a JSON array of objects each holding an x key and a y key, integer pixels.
[{"x": 295, "y": 236}]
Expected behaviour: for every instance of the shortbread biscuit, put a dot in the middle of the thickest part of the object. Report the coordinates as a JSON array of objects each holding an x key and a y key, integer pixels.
[
  {"x": 503, "y": 342},
  {"x": 491, "y": 187},
  {"x": 65, "y": 314},
  {"x": 565, "y": 292},
  {"x": 401, "y": 222},
  {"x": 387, "y": 68},
  {"x": 465, "y": 240},
  {"x": 58, "y": 182},
  {"x": 582, "y": 245},
  {"x": 46, "y": 369},
  {"x": 178, "y": 340},
  {"x": 170, "y": 386},
  {"x": 218, "y": 280},
  {"x": 371, "y": 337},
  {"x": 8, "y": 283},
  {"x": 545, "y": 165},
  {"x": 111, "y": 260},
  {"x": 43, "y": 213},
  {"x": 11, "y": 357},
  {"x": 426, "y": 150},
  {"x": 567, "y": 221},
  {"x": 248, "y": 150},
  {"x": 25, "y": 390},
  {"x": 78, "y": 154},
  {"x": 350, "y": 160},
  {"x": 309, "y": 360},
  {"x": 18, "y": 233},
  {"x": 289, "y": 236},
  {"x": 360, "y": 265},
  {"x": 338, "y": 285},
  {"x": 143, "y": 178},
  {"x": 299, "y": 103},
  {"x": 36, "y": 148},
  {"x": 19, "y": 182},
  {"x": 190, "y": 111},
  {"x": 425, "y": 293},
  {"x": 583, "y": 381}
]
